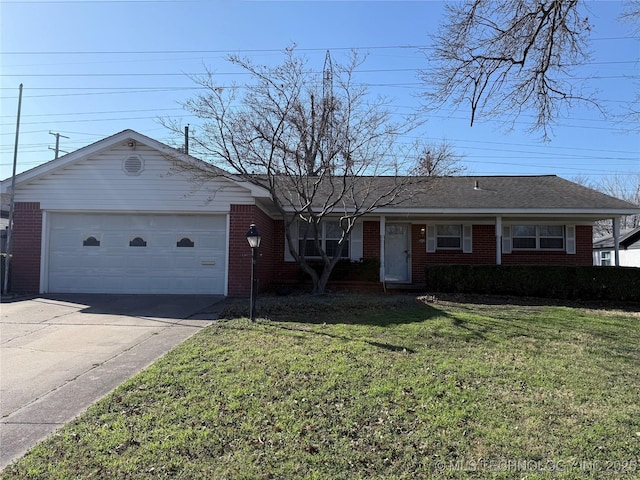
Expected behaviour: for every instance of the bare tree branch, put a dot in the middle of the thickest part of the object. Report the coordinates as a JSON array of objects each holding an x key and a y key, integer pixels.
[
  {"x": 625, "y": 187},
  {"x": 510, "y": 57}
]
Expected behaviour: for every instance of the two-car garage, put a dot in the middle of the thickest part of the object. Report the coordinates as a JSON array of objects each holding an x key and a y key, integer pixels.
[{"x": 135, "y": 253}]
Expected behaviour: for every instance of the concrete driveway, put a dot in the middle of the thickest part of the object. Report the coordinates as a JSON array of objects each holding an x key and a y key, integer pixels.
[{"x": 61, "y": 353}]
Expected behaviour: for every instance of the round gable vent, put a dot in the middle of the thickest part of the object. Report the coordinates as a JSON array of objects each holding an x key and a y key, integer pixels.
[{"x": 133, "y": 165}]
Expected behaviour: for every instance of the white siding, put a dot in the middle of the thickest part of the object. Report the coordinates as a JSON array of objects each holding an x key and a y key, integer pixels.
[
  {"x": 628, "y": 258},
  {"x": 99, "y": 183}
]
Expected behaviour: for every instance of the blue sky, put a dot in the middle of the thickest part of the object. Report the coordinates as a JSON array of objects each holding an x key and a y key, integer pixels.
[{"x": 93, "y": 68}]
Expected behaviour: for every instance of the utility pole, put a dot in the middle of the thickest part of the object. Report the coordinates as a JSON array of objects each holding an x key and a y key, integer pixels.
[
  {"x": 7, "y": 259},
  {"x": 57, "y": 149}
]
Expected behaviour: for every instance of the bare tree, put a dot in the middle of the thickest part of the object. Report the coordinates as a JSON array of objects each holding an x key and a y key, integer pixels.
[
  {"x": 507, "y": 57},
  {"x": 624, "y": 187},
  {"x": 439, "y": 159},
  {"x": 322, "y": 148}
]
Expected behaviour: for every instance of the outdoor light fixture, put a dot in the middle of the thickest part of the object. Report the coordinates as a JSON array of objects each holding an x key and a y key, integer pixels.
[{"x": 253, "y": 237}]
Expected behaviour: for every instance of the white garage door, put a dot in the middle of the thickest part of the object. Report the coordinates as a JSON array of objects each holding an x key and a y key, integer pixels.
[{"x": 114, "y": 253}]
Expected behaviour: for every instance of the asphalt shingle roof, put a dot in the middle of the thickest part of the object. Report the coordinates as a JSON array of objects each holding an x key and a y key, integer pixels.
[{"x": 511, "y": 192}]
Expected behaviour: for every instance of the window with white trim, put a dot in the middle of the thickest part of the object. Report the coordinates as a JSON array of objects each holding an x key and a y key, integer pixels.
[
  {"x": 538, "y": 237},
  {"x": 448, "y": 237},
  {"x": 329, "y": 233},
  {"x": 605, "y": 259}
]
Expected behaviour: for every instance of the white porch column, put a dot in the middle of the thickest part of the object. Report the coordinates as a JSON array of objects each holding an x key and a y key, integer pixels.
[
  {"x": 616, "y": 240},
  {"x": 498, "y": 240},
  {"x": 382, "y": 230}
]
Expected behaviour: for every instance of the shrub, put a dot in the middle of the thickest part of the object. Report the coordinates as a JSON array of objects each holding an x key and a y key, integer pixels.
[
  {"x": 562, "y": 282},
  {"x": 367, "y": 270}
]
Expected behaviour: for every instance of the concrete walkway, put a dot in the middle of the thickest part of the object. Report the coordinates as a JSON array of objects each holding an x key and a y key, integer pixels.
[{"x": 61, "y": 353}]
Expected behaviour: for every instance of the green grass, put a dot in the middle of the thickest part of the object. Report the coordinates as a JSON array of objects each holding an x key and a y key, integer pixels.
[{"x": 350, "y": 387}]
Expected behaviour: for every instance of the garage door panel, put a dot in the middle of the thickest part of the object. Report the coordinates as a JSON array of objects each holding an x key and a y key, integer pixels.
[{"x": 116, "y": 267}]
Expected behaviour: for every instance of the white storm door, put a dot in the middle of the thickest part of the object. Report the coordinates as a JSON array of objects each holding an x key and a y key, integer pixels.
[{"x": 397, "y": 252}]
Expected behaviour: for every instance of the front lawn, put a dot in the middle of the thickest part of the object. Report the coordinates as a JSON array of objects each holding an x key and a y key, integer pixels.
[{"x": 388, "y": 387}]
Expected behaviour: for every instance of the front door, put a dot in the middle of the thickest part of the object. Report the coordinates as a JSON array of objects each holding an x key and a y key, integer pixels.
[{"x": 397, "y": 252}]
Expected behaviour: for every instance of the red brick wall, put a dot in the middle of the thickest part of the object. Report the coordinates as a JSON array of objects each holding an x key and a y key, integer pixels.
[
  {"x": 241, "y": 217},
  {"x": 285, "y": 272},
  {"x": 26, "y": 244},
  {"x": 371, "y": 240},
  {"x": 484, "y": 251}
]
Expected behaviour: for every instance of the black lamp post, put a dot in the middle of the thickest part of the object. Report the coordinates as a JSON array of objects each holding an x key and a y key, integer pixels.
[{"x": 253, "y": 237}]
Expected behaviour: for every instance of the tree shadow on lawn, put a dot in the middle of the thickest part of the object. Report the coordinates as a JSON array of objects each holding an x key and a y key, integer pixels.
[
  {"x": 467, "y": 318},
  {"x": 348, "y": 309},
  {"x": 381, "y": 345},
  {"x": 499, "y": 300}
]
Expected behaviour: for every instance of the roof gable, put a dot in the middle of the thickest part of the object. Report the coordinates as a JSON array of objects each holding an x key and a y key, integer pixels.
[
  {"x": 132, "y": 140},
  {"x": 626, "y": 239}
]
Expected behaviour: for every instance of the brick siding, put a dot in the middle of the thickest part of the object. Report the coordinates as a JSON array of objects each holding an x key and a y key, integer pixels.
[
  {"x": 26, "y": 247},
  {"x": 242, "y": 216},
  {"x": 371, "y": 240}
]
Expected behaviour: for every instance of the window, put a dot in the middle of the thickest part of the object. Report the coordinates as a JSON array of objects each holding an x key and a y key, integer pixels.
[
  {"x": 91, "y": 242},
  {"x": 449, "y": 237},
  {"x": 524, "y": 236},
  {"x": 329, "y": 234},
  {"x": 138, "y": 242},
  {"x": 185, "y": 242},
  {"x": 605, "y": 259},
  {"x": 538, "y": 237}
]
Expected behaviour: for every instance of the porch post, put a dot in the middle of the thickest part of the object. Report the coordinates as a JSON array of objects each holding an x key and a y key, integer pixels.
[
  {"x": 616, "y": 240},
  {"x": 382, "y": 230},
  {"x": 498, "y": 240}
]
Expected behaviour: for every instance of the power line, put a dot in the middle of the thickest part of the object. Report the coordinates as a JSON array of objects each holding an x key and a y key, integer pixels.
[
  {"x": 226, "y": 51},
  {"x": 244, "y": 50},
  {"x": 93, "y": 113}
]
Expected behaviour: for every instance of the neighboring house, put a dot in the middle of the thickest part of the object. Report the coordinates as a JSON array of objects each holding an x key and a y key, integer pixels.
[
  {"x": 4, "y": 220},
  {"x": 628, "y": 249},
  {"x": 117, "y": 216}
]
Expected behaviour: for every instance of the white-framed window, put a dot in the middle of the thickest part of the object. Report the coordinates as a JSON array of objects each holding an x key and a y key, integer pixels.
[
  {"x": 329, "y": 233},
  {"x": 449, "y": 237},
  {"x": 538, "y": 237},
  {"x": 605, "y": 259}
]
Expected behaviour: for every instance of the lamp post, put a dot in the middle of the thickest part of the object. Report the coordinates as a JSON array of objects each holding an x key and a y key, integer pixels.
[{"x": 253, "y": 237}]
